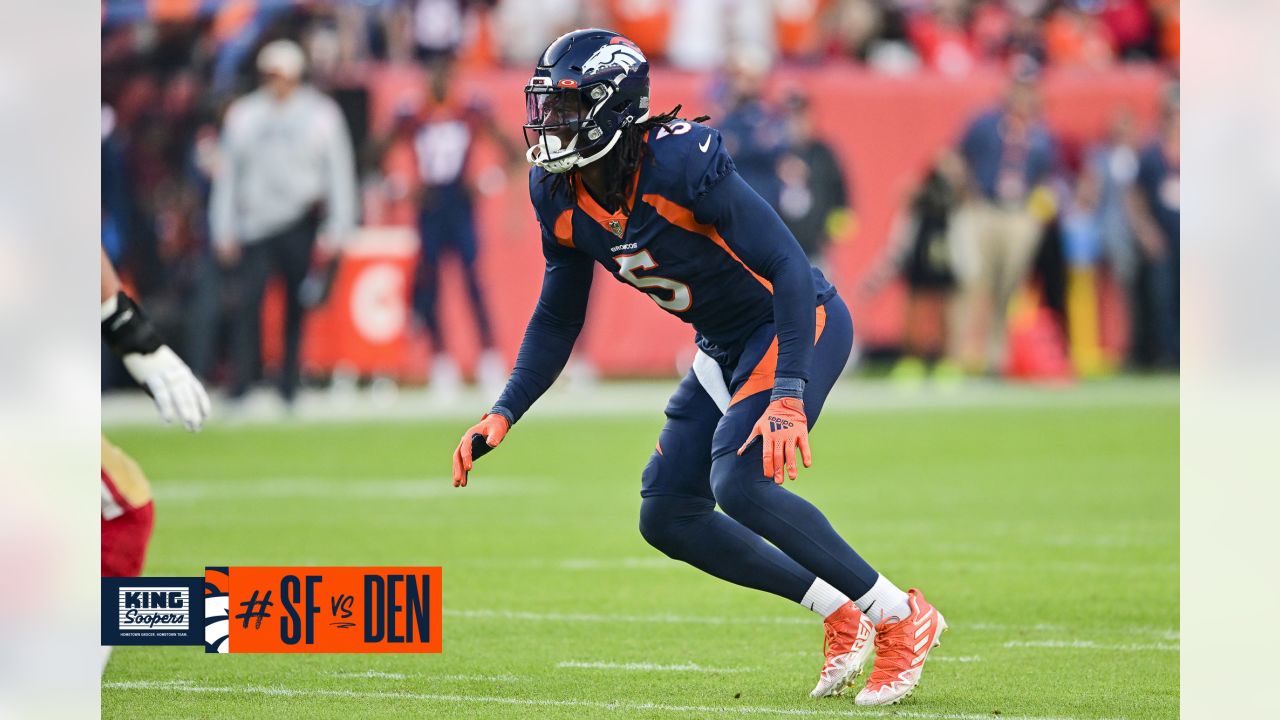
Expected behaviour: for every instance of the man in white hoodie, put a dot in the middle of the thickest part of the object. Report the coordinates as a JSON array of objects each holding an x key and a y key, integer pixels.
[{"x": 285, "y": 187}]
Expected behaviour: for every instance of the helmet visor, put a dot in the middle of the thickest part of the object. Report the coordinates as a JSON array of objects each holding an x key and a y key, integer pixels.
[{"x": 558, "y": 112}]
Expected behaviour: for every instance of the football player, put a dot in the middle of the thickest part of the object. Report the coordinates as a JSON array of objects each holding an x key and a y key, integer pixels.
[
  {"x": 179, "y": 396},
  {"x": 443, "y": 135},
  {"x": 656, "y": 200},
  {"x": 127, "y": 509}
]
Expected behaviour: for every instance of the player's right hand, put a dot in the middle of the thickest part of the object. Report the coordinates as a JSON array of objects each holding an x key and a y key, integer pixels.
[
  {"x": 493, "y": 428},
  {"x": 174, "y": 388}
]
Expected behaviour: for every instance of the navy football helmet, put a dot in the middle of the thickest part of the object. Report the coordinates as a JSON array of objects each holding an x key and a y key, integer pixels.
[{"x": 588, "y": 86}]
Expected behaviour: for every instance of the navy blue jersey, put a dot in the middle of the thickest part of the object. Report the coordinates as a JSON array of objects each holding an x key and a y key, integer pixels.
[{"x": 698, "y": 241}]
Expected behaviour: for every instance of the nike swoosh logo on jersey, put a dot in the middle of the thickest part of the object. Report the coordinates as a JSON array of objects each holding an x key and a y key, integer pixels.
[{"x": 705, "y": 144}]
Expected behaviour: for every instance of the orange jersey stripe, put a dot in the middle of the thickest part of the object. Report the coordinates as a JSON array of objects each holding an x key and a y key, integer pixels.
[
  {"x": 564, "y": 228},
  {"x": 762, "y": 375},
  {"x": 682, "y": 217}
]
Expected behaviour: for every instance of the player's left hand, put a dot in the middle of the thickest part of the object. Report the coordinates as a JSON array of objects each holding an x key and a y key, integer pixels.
[
  {"x": 174, "y": 388},
  {"x": 493, "y": 428},
  {"x": 782, "y": 428}
]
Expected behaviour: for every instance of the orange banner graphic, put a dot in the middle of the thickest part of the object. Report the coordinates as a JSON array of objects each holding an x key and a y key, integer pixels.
[{"x": 323, "y": 609}]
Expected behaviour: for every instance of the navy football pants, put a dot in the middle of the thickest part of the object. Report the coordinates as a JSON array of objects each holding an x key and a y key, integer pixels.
[
  {"x": 695, "y": 467},
  {"x": 448, "y": 225}
]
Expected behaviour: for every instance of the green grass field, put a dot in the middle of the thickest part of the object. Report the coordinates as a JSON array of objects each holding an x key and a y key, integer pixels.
[{"x": 1046, "y": 531}]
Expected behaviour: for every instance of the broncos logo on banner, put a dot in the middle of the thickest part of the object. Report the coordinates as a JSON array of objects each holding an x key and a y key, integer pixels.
[
  {"x": 217, "y": 627},
  {"x": 622, "y": 56}
]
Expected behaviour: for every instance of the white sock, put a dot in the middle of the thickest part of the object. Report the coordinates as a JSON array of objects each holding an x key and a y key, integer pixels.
[
  {"x": 884, "y": 601},
  {"x": 823, "y": 599}
]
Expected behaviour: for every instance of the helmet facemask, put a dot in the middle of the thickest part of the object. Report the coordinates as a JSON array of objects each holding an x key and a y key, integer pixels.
[{"x": 561, "y": 127}]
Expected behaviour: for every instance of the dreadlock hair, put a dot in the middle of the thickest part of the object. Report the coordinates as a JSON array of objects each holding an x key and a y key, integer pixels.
[{"x": 623, "y": 159}]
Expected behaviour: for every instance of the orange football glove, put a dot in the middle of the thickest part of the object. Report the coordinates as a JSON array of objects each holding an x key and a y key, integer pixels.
[
  {"x": 782, "y": 427},
  {"x": 492, "y": 428}
]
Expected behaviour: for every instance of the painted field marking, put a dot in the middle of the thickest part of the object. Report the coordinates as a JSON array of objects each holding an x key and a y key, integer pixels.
[
  {"x": 631, "y": 563},
  {"x": 1091, "y": 645},
  {"x": 817, "y": 657},
  {"x": 648, "y": 667},
  {"x": 622, "y": 399},
  {"x": 623, "y": 707},
  {"x": 662, "y": 563},
  {"x": 661, "y": 618},
  {"x": 379, "y": 675},
  {"x": 476, "y": 678},
  {"x": 674, "y": 619},
  {"x": 968, "y": 565},
  {"x": 1057, "y": 566},
  {"x": 1161, "y": 633},
  {"x": 381, "y": 489}
]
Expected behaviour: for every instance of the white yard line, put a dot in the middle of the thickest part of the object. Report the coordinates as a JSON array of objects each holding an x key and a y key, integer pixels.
[
  {"x": 1056, "y": 566},
  {"x": 994, "y": 566},
  {"x": 661, "y": 619},
  {"x": 379, "y": 675},
  {"x": 621, "y": 707},
  {"x": 1091, "y": 645},
  {"x": 674, "y": 619},
  {"x": 631, "y": 563},
  {"x": 375, "y": 489},
  {"x": 476, "y": 678},
  {"x": 933, "y": 656},
  {"x": 629, "y": 398},
  {"x": 369, "y": 674},
  {"x": 647, "y": 667}
]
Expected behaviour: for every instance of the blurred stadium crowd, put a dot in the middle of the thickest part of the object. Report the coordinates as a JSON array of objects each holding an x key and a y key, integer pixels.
[
  {"x": 1009, "y": 199},
  {"x": 950, "y": 36}
]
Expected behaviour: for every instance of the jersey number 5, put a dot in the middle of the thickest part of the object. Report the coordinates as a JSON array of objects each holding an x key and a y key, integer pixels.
[{"x": 681, "y": 297}]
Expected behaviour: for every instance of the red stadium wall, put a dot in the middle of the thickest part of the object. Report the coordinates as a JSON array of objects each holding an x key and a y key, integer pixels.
[{"x": 885, "y": 130}]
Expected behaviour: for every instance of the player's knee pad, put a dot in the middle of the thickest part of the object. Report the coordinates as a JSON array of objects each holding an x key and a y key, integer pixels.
[
  {"x": 655, "y": 523},
  {"x": 734, "y": 480},
  {"x": 667, "y": 521}
]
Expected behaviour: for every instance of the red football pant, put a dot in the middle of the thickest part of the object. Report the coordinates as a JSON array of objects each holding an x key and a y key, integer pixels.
[{"x": 127, "y": 513}]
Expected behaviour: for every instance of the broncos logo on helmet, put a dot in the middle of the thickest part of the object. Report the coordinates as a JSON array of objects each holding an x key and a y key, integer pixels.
[{"x": 622, "y": 56}]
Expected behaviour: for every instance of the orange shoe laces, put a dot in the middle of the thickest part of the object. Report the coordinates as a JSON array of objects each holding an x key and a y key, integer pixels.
[
  {"x": 893, "y": 654},
  {"x": 832, "y": 635},
  {"x": 829, "y": 637}
]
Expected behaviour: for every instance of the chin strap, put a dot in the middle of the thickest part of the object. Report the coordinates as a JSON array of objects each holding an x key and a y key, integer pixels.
[
  {"x": 540, "y": 154},
  {"x": 583, "y": 161},
  {"x": 535, "y": 156},
  {"x": 617, "y": 135},
  {"x": 571, "y": 160}
]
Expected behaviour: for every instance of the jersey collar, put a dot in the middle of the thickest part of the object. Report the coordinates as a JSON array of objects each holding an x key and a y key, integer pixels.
[{"x": 615, "y": 222}]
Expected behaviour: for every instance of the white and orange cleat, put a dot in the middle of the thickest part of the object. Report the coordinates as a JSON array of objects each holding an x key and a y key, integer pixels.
[
  {"x": 901, "y": 649},
  {"x": 847, "y": 646}
]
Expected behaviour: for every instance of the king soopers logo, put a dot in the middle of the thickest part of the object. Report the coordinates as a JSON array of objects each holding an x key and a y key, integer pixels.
[{"x": 158, "y": 608}]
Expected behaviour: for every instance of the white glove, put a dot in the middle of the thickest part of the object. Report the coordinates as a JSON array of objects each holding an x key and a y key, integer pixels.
[{"x": 177, "y": 392}]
